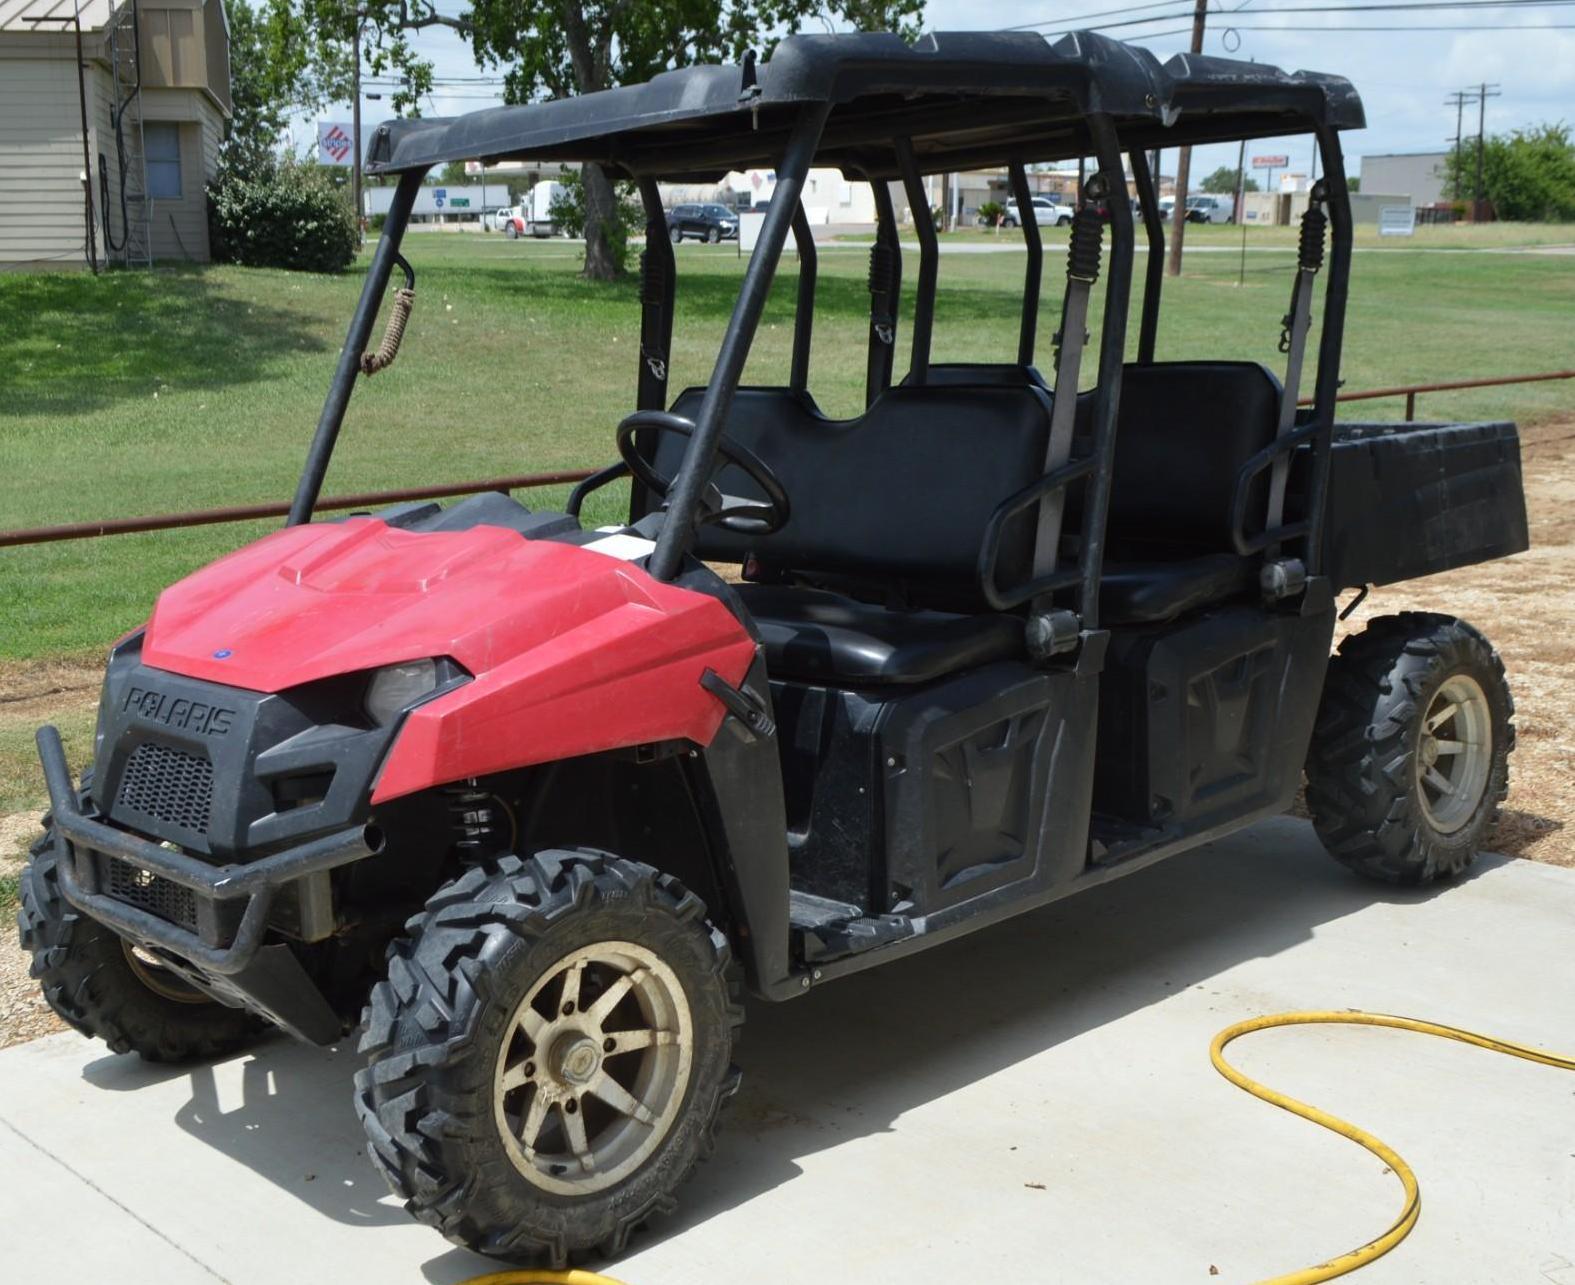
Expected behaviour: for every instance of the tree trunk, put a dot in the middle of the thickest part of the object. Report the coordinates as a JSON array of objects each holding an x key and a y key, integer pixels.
[{"x": 600, "y": 205}]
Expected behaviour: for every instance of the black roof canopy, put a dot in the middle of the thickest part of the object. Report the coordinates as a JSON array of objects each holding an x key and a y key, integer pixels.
[{"x": 965, "y": 99}]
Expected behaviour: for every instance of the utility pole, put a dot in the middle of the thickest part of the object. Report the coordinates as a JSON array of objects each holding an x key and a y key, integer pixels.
[
  {"x": 355, "y": 130},
  {"x": 1178, "y": 212},
  {"x": 1484, "y": 92},
  {"x": 1458, "y": 101}
]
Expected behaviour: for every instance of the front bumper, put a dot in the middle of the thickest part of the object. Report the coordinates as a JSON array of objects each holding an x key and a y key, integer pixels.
[{"x": 252, "y": 886}]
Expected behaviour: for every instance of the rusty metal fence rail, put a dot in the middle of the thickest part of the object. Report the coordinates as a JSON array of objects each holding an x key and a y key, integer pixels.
[{"x": 526, "y": 481}]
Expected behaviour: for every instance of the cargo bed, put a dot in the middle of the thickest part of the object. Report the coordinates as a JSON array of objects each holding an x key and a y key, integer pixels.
[{"x": 1408, "y": 500}]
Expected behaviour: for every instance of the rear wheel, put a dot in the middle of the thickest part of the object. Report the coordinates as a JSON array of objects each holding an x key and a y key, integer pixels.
[
  {"x": 1410, "y": 756},
  {"x": 548, "y": 1055},
  {"x": 109, "y": 989},
  {"x": 713, "y": 235},
  {"x": 675, "y": 235}
]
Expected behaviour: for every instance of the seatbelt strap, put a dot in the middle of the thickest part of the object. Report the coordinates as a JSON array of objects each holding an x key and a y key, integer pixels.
[
  {"x": 1082, "y": 271},
  {"x": 884, "y": 282},
  {"x": 1293, "y": 343}
]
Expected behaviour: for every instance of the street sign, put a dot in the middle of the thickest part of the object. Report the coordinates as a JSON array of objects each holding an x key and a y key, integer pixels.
[
  {"x": 439, "y": 196},
  {"x": 1270, "y": 162},
  {"x": 460, "y": 203},
  {"x": 335, "y": 145}
]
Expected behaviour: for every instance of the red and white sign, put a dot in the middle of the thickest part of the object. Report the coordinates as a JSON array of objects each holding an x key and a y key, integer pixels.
[
  {"x": 335, "y": 146},
  {"x": 1270, "y": 162}
]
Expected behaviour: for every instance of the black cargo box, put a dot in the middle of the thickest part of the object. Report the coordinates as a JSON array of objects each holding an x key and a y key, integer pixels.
[{"x": 1406, "y": 500}]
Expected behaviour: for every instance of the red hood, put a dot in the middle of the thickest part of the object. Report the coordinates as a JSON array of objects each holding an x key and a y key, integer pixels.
[
  {"x": 312, "y": 601},
  {"x": 572, "y": 651}
]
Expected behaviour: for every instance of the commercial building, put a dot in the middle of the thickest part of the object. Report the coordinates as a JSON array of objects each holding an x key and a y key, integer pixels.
[{"x": 1420, "y": 175}]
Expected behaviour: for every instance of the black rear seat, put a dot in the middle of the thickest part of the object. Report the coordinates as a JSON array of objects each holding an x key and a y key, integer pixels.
[{"x": 1183, "y": 433}]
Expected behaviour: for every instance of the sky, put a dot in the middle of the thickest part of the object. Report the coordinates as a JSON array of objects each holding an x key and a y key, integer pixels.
[{"x": 1404, "y": 76}]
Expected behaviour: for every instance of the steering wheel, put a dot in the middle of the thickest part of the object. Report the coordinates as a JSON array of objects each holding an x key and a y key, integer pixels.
[{"x": 730, "y": 512}]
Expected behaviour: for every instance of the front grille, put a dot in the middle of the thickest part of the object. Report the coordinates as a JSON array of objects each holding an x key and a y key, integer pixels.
[
  {"x": 168, "y": 785},
  {"x": 147, "y": 891}
]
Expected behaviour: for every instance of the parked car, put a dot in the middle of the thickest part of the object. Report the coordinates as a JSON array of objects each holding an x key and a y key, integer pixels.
[
  {"x": 507, "y": 219},
  {"x": 1211, "y": 209},
  {"x": 710, "y": 222},
  {"x": 1046, "y": 212}
]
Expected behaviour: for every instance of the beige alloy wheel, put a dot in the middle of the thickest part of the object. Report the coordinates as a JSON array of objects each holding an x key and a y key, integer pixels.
[
  {"x": 593, "y": 1068},
  {"x": 161, "y": 979},
  {"x": 1454, "y": 753}
]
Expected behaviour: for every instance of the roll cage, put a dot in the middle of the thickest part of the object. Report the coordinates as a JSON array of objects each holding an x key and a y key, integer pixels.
[{"x": 883, "y": 111}]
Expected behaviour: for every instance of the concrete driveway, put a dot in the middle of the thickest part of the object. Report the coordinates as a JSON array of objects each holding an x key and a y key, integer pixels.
[{"x": 1031, "y": 1105}]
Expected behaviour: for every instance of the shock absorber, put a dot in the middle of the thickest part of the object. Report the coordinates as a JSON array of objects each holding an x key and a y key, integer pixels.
[{"x": 473, "y": 819}]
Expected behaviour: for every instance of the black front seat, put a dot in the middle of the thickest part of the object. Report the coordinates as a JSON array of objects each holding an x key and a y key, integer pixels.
[{"x": 815, "y": 636}]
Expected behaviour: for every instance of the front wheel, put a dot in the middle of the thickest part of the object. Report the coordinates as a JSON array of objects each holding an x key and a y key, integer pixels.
[
  {"x": 510, "y": 231},
  {"x": 675, "y": 235},
  {"x": 713, "y": 236},
  {"x": 549, "y": 1054},
  {"x": 1065, "y": 221},
  {"x": 1410, "y": 756},
  {"x": 109, "y": 989}
]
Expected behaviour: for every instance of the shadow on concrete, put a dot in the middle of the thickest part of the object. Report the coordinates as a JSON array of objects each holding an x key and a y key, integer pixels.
[
  {"x": 848, "y": 1061},
  {"x": 292, "y": 1124}
]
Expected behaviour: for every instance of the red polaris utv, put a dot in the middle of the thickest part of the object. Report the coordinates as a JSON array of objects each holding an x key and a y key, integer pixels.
[{"x": 532, "y": 803}]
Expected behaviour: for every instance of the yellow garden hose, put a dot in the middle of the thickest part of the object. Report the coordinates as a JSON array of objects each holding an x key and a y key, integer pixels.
[
  {"x": 1347, "y": 1262},
  {"x": 1412, "y": 1208},
  {"x": 531, "y": 1276}
]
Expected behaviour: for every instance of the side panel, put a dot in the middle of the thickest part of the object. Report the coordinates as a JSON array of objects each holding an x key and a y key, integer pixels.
[{"x": 1205, "y": 722}]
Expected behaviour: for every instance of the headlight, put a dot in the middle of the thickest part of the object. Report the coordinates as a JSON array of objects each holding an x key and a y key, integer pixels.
[{"x": 395, "y": 687}]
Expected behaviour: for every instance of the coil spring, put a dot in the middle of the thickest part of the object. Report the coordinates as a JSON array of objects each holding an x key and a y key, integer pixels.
[
  {"x": 1083, "y": 251},
  {"x": 883, "y": 268},
  {"x": 472, "y": 818},
  {"x": 1310, "y": 249},
  {"x": 653, "y": 277}
]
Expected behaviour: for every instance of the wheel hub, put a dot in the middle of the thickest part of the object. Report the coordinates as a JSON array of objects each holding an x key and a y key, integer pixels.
[
  {"x": 1454, "y": 753},
  {"x": 576, "y": 1058},
  {"x": 593, "y": 1068}
]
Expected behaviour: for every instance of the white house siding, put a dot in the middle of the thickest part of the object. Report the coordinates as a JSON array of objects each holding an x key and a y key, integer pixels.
[
  {"x": 41, "y": 205},
  {"x": 180, "y": 228}
]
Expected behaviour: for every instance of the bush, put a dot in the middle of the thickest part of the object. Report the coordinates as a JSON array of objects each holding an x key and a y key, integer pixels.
[
  {"x": 290, "y": 217},
  {"x": 991, "y": 213}
]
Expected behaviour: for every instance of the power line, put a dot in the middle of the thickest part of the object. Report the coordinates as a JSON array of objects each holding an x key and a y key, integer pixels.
[
  {"x": 1243, "y": 26},
  {"x": 1387, "y": 6}
]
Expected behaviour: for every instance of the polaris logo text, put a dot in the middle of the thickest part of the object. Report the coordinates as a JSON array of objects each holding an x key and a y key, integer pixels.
[{"x": 178, "y": 712}]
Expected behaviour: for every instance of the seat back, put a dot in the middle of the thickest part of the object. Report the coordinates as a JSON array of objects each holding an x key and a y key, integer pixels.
[
  {"x": 1183, "y": 432},
  {"x": 897, "y": 497}
]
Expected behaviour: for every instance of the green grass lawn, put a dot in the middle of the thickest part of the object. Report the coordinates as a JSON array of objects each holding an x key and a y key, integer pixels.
[{"x": 147, "y": 393}]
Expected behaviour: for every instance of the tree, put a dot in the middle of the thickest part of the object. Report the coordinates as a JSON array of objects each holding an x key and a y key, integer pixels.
[
  {"x": 1528, "y": 175},
  {"x": 454, "y": 174},
  {"x": 1223, "y": 181},
  {"x": 555, "y": 48}
]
